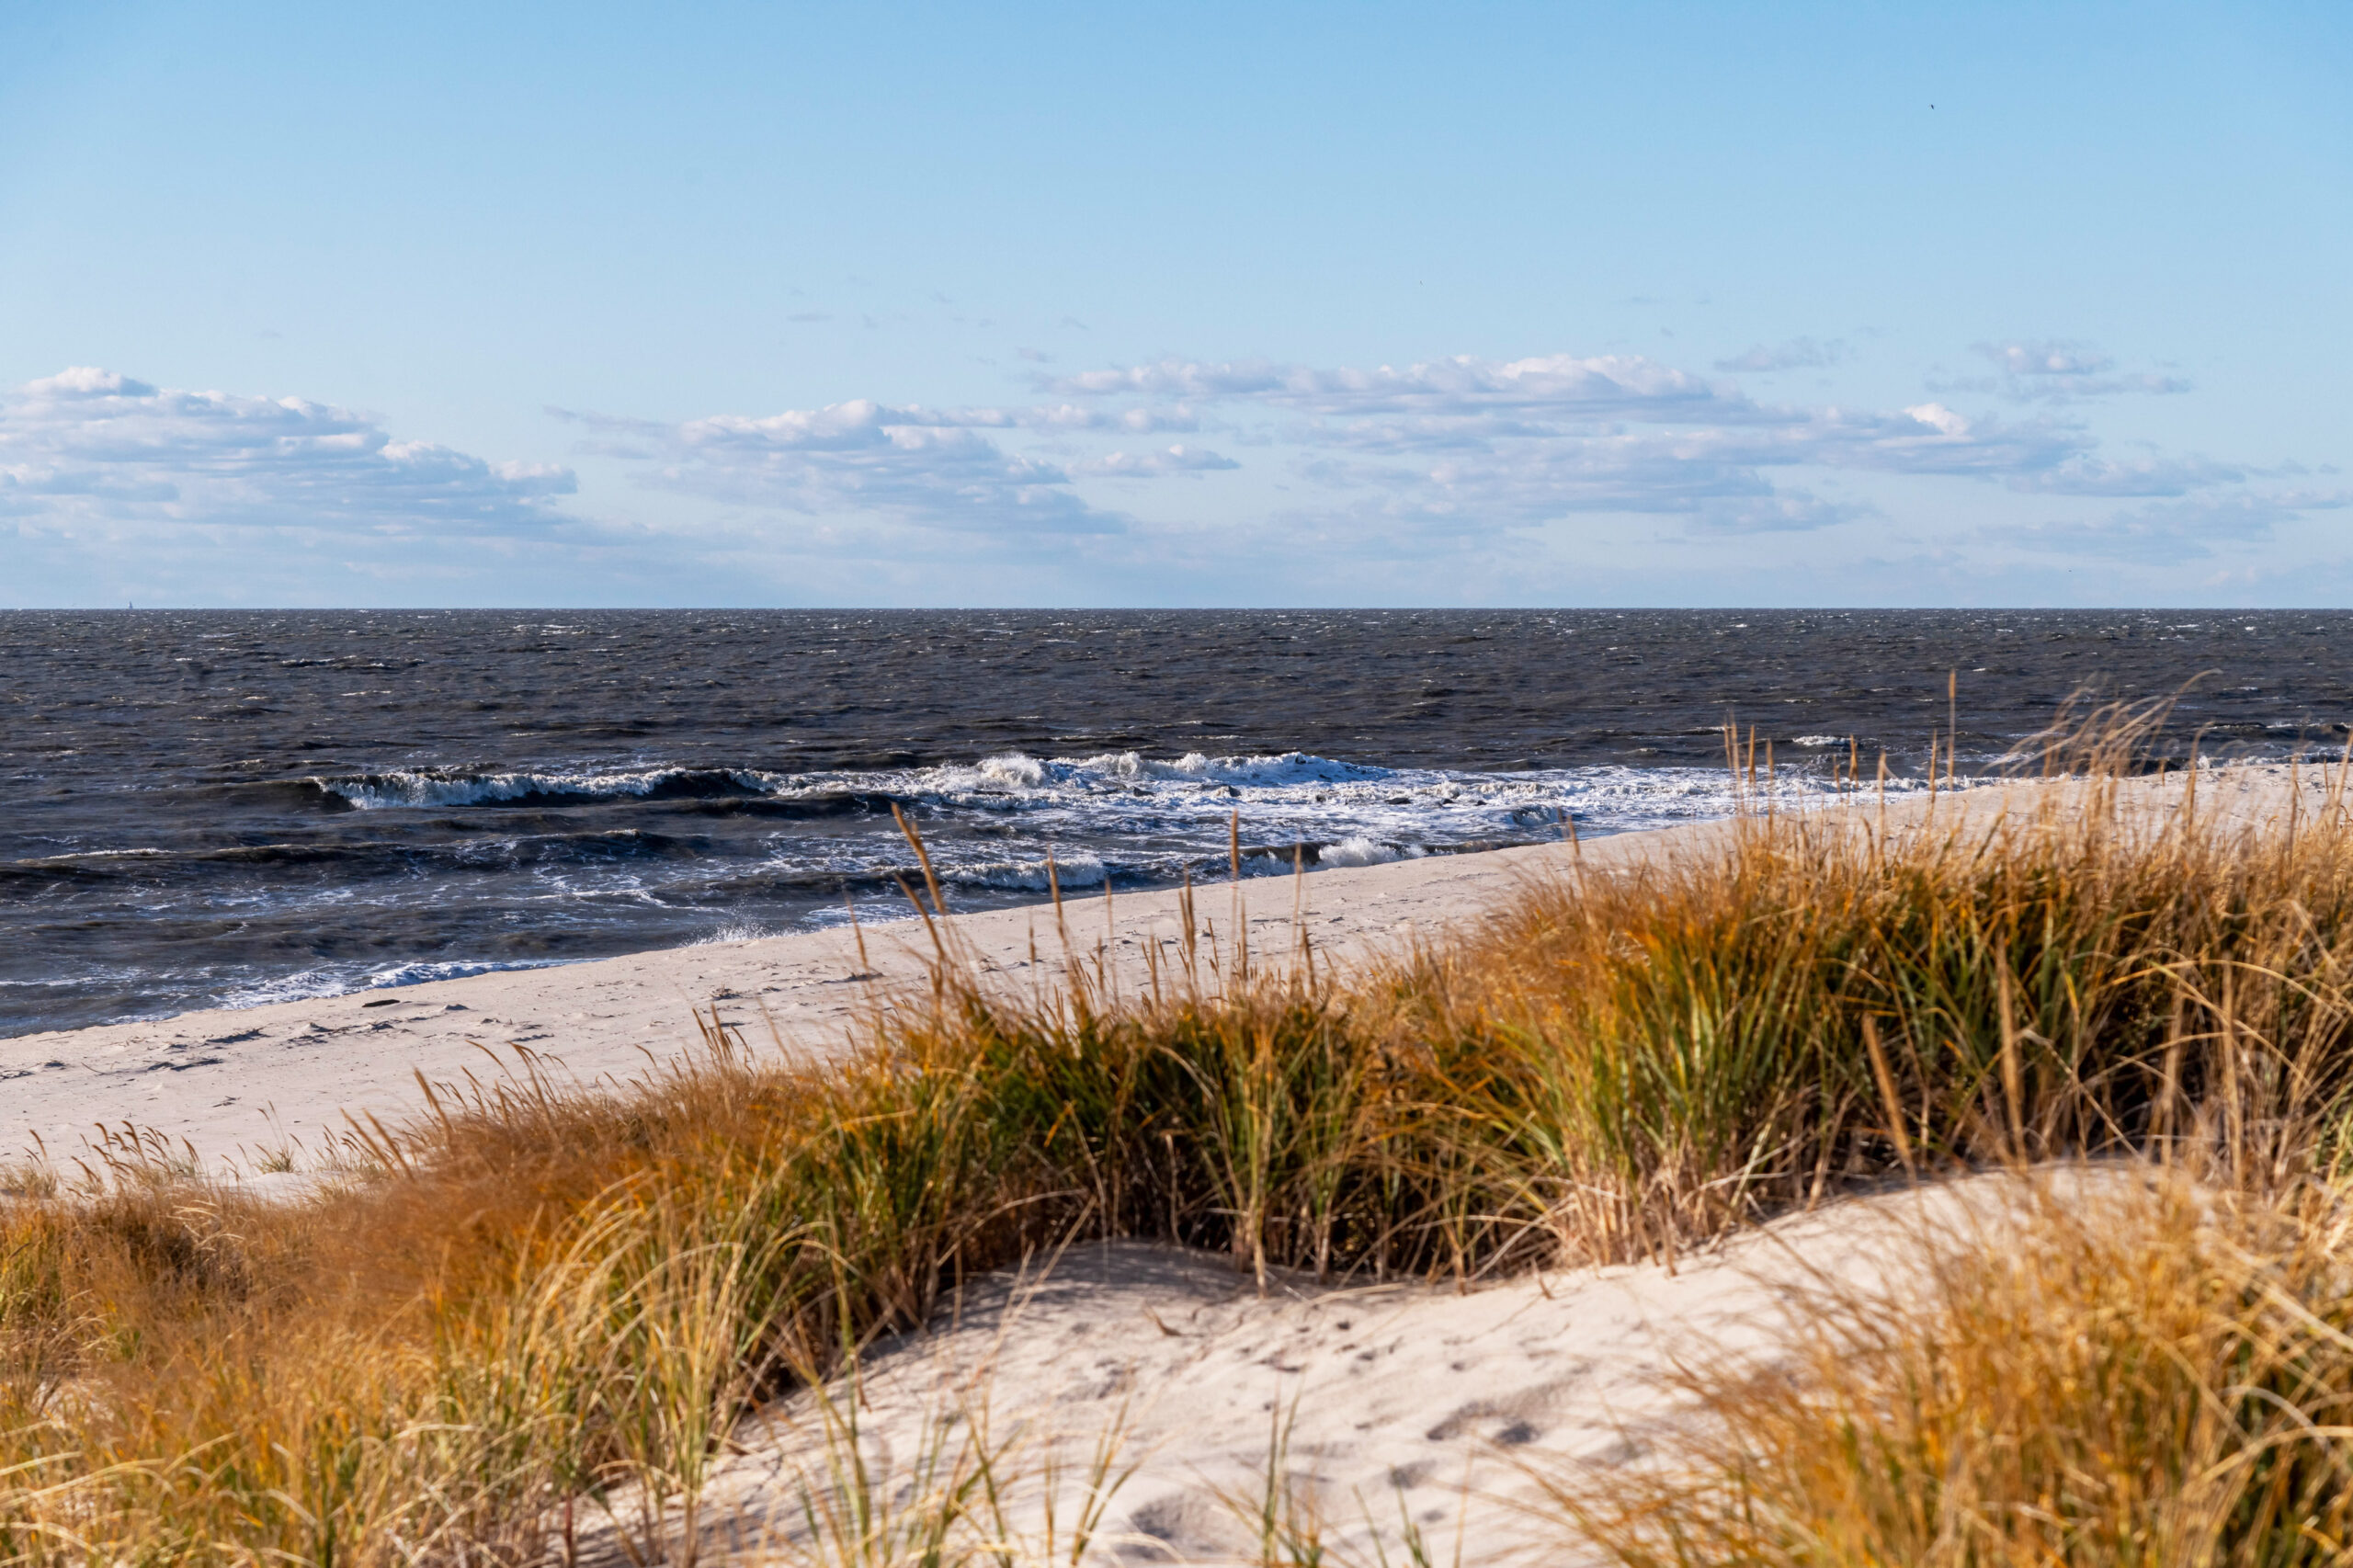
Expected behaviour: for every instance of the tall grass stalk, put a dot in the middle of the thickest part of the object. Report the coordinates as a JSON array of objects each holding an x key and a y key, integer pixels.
[{"x": 543, "y": 1293}]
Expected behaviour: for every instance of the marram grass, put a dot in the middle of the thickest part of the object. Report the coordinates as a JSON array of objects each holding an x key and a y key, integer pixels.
[
  {"x": 2142, "y": 1374},
  {"x": 545, "y": 1297}
]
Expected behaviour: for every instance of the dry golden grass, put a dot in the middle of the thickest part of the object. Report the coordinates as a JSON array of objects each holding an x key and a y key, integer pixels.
[
  {"x": 2157, "y": 1375},
  {"x": 540, "y": 1299}
]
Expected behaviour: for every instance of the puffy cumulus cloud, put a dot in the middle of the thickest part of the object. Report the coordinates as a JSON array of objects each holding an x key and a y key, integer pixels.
[
  {"x": 87, "y": 381},
  {"x": 93, "y": 445},
  {"x": 1472, "y": 444},
  {"x": 1558, "y": 383},
  {"x": 1927, "y": 438},
  {"x": 1462, "y": 445},
  {"x": 1170, "y": 378},
  {"x": 1464, "y": 385},
  {"x": 1524, "y": 468},
  {"x": 1175, "y": 460},
  {"x": 1797, "y": 354},
  {"x": 1143, "y": 420},
  {"x": 931, "y": 468},
  {"x": 1426, "y": 456}
]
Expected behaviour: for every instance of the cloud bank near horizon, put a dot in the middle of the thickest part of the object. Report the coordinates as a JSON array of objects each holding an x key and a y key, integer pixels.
[
  {"x": 1175, "y": 469},
  {"x": 1463, "y": 449},
  {"x": 88, "y": 445}
]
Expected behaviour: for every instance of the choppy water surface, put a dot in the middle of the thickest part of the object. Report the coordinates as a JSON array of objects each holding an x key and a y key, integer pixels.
[{"x": 199, "y": 808}]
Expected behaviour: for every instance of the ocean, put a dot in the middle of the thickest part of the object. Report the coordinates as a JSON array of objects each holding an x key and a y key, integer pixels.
[{"x": 217, "y": 808}]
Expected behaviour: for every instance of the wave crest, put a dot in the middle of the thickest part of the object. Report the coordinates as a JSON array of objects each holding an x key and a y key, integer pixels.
[{"x": 406, "y": 788}]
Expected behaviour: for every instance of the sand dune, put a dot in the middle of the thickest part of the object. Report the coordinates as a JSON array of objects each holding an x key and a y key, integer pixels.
[{"x": 1377, "y": 1405}]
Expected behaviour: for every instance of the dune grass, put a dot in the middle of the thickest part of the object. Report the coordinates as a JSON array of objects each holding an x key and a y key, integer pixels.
[
  {"x": 544, "y": 1299},
  {"x": 2154, "y": 1374}
]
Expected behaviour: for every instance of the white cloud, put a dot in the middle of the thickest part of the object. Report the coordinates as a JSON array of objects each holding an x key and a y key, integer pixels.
[
  {"x": 1465, "y": 384},
  {"x": 1460, "y": 448},
  {"x": 89, "y": 445},
  {"x": 932, "y": 468},
  {"x": 1335, "y": 474},
  {"x": 1707, "y": 455},
  {"x": 87, "y": 381},
  {"x": 1142, "y": 420},
  {"x": 1169, "y": 378},
  {"x": 1175, "y": 460},
  {"x": 1939, "y": 418}
]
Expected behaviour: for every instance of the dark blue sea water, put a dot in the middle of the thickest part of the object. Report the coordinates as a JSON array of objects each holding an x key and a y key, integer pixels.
[{"x": 216, "y": 807}]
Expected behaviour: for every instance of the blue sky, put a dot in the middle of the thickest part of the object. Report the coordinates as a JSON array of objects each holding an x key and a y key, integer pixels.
[{"x": 1294, "y": 304}]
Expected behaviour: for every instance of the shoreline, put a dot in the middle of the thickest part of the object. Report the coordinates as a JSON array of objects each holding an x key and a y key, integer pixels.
[
  {"x": 238, "y": 1084},
  {"x": 228, "y": 1080}
]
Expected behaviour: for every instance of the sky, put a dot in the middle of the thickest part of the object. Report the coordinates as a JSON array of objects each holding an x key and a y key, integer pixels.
[{"x": 1266, "y": 304}]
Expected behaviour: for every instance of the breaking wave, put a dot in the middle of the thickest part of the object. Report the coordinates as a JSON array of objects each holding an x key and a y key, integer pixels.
[{"x": 382, "y": 791}]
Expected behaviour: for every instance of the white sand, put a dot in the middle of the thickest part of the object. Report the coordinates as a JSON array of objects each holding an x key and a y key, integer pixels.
[
  {"x": 232, "y": 1084},
  {"x": 1402, "y": 1402}
]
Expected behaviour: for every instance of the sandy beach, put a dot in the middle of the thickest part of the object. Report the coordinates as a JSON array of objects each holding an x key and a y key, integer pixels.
[
  {"x": 232, "y": 1082},
  {"x": 235, "y": 1085}
]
